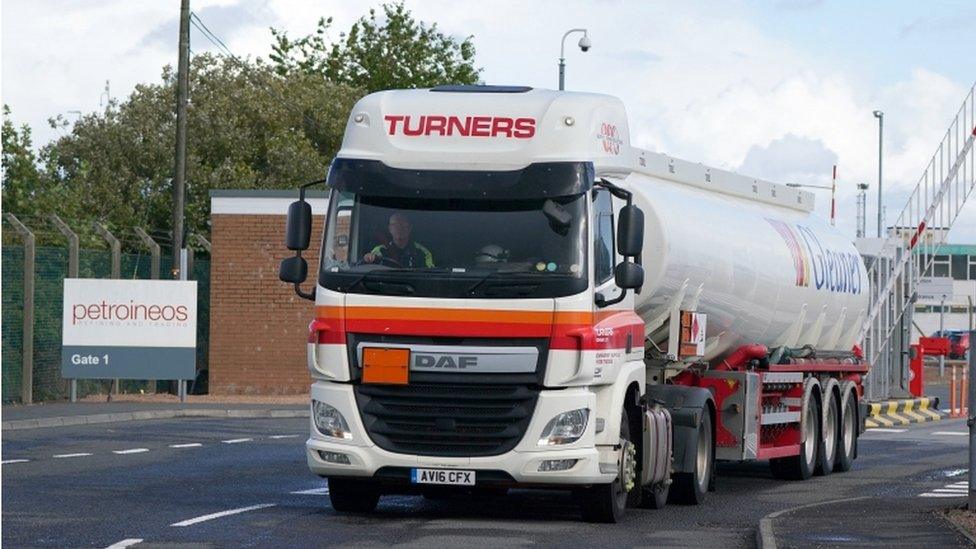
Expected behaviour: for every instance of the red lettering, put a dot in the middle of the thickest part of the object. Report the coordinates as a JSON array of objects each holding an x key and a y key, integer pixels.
[
  {"x": 501, "y": 126},
  {"x": 393, "y": 119},
  {"x": 94, "y": 312},
  {"x": 181, "y": 313},
  {"x": 524, "y": 128},
  {"x": 419, "y": 130},
  {"x": 481, "y": 126},
  {"x": 469, "y": 126},
  {"x": 169, "y": 313},
  {"x": 454, "y": 123},
  {"x": 154, "y": 312},
  {"x": 436, "y": 124}
]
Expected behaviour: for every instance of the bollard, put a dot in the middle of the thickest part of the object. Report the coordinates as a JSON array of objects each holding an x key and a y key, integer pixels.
[
  {"x": 952, "y": 393},
  {"x": 964, "y": 394}
]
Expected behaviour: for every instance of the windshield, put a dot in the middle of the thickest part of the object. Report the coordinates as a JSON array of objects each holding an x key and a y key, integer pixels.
[{"x": 455, "y": 247}]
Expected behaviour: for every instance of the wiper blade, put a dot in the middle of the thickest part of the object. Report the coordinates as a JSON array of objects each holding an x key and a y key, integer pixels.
[{"x": 512, "y": 280}]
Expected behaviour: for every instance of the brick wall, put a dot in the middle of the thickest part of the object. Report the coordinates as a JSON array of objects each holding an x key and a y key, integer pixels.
[{"x": 258, "y": 326}]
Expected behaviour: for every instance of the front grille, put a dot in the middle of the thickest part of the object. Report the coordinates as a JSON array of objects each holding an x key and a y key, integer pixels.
[{"x": 455, "y": 420}]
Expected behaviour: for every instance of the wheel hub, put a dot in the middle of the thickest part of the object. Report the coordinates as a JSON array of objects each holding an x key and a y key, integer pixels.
[{"x": 628, "y": 465}]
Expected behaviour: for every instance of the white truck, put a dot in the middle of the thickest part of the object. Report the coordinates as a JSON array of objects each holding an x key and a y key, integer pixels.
[{"x": 508, "y": 294}]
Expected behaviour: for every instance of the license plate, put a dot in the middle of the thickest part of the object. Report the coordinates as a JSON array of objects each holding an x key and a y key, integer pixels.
[{"x": 442, "y": 476}]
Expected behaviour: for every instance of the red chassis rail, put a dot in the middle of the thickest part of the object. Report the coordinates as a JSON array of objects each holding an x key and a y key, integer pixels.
[{"x": 775, "y": 393}]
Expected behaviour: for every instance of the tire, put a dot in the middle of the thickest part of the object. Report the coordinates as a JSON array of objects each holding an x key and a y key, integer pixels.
[
  {"x": 830, "y": 435},
  {"x": 847, "y": 441},
  {"x": 353, "y": 495},
  {"x": 691, "y": 488},
  {"x": 802, "y": 466},
  {"x": 607, "y": 503},
  {"x": 655, "y": 496}
]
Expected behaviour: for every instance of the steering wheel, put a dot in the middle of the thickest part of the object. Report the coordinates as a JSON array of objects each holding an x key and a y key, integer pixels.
[
  {"x": 390, "y": 262},
  {"x": 381, "y": 260}
]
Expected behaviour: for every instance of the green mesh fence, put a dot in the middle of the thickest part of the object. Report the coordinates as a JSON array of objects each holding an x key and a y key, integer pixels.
[{"x": 51, "y": 268}]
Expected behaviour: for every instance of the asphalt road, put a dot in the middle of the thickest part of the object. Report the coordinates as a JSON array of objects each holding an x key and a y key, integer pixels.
[{"x": 243, "y": 482}]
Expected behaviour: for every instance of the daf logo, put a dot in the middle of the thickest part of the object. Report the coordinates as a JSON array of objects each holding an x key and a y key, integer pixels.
[{"x": 445, "y": 362}]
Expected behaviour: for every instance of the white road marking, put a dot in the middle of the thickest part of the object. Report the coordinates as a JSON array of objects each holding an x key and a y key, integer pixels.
[
  {"x": 949, "y": 490},
  {"x": 963, "y": 483},
  {"x": 124, "y": 543},
  {"x": 283, "y": 436},
  {"x": 236, "y": 440},
  {"x": 6, "y": 461},
  {"x": 885, "y": 430},
  {"x": 187, "y": 445},
  {"x": 313, "y": 492},
  {"x": 195, "y": 520},
  {"x": 951, "y": 433},
  {"x": 130, "y": 451},
  {"x": 77, "y": 455},
  {"x": 931, "y": 495}
]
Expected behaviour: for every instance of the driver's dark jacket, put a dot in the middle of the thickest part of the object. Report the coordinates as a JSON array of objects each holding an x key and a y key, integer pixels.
[{"x": 413, "y": 255}]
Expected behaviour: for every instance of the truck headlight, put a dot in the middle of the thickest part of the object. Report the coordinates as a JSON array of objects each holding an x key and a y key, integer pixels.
[
  {"x": 565, "y": 428},
  {"x": 329, "y": 421}
]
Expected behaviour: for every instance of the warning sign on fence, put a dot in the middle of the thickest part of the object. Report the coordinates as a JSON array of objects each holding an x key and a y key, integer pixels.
[{"x": 130, "y": 329}]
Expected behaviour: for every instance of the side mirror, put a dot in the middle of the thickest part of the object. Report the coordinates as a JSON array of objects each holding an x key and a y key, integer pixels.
[
  {"x": 293, "y": 269},
  {"x": 298, "y": 229},
  {"x": 628, "y": 275},
  {"x": 630, "y": 231}
]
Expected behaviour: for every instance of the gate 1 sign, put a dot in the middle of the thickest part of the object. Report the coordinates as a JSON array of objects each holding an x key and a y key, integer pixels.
[{"x": 130, "y": 329}]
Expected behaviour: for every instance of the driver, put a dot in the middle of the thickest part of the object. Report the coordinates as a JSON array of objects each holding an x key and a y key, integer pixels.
[{"x": 401, "y": 249}]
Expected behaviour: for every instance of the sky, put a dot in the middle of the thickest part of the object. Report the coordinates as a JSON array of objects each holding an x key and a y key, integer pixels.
[{"x": 780, "y": 89}]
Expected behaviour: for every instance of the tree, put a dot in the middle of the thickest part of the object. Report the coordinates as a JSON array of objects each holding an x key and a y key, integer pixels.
[
  {"x": 248, "y": 128},
  {"x": 21, "y": 176},
  {"x": 396, "y": 52}
]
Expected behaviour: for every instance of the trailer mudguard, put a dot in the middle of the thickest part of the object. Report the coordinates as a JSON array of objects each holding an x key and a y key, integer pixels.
[{"x": 686, "y": 405}]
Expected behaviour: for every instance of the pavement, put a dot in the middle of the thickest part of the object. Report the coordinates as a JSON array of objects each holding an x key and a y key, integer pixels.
[
  {"x": 59, "y": 414},
  {"x": 222, "y": 482}
]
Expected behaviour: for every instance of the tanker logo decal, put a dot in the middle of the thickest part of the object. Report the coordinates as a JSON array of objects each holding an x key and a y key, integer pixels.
[
  {"x": 800, "y": 260},
  {"x": 831, "y": 270}
]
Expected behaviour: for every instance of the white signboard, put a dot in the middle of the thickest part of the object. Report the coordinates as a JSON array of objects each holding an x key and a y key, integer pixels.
[
  {"x": 135, "y": 329},
  {"x": 934, "y": 289}
]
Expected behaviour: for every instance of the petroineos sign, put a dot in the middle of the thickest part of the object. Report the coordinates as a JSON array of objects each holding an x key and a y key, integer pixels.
[{"x": 135, "y": 329}]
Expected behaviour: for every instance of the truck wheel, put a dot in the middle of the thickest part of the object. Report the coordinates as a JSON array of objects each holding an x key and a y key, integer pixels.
[
  {"x": 608, "y": 502},
  {"x": 691, "y": 488},
  {"x": 353, "y": 495},
  {"x": 827, "y": 454},
  {"x": 847, "y": 444},
  {"x": 655, "y": 496},
  {"x": 801, "y": 467}
]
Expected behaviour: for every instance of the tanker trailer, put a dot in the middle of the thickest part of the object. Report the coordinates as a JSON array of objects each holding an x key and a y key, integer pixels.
[
  {"x": 510, "y": 295},
  {"x": 751, "y": 296}
]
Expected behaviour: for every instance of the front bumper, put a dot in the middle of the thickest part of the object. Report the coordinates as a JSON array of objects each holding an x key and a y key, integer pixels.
[{"x": 518, "y": 466}]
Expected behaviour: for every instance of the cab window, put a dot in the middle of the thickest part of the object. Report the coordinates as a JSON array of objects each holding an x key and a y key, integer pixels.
[{"x": 603, "y": 244}]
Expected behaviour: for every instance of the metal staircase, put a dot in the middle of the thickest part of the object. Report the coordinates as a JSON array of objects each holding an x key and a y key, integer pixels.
[{"x": 909, "y": 251}]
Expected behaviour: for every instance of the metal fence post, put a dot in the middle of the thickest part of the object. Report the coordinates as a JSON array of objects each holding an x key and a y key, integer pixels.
[
  {"x": 971, "y": 422},
  {"x": 116, "y": 248},
  {"x": 153, "y": 272},
  {"x": 27, "y": 362},
  {"x": 153, "y": 249},
  {"x": 72, "y": 272}
]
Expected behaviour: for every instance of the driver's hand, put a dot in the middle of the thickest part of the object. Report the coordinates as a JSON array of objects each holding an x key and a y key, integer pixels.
[{"x": 370, "y": 257}]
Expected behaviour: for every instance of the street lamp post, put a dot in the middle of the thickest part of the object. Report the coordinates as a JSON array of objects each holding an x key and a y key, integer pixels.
[
  {"x": 880, "y": 116},
  {"x": 584, "y": 44}
]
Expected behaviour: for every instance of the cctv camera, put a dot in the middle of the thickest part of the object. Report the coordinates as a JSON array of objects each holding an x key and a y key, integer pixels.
[{"x": 585, "y": 43}]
